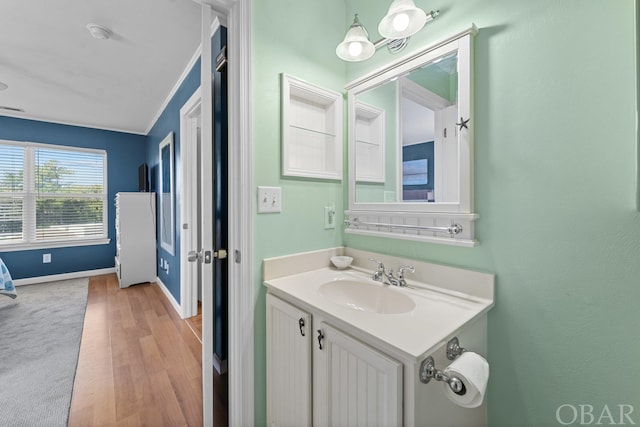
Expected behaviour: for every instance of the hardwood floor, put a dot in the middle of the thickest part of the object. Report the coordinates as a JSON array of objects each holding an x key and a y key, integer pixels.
[
  {"x": 195, "y": 322},
  {"x": 220, "y": 383},
  {"x": 139, "y": 363}
]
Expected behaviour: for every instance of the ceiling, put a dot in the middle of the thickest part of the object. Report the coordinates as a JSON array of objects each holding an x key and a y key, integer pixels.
[{"x": 56, "y": 71}]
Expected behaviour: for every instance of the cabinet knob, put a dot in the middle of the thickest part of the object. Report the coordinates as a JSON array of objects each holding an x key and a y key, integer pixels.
[
  {"x": 301, "y": 325},
  {"x": 320, "y": 338}
]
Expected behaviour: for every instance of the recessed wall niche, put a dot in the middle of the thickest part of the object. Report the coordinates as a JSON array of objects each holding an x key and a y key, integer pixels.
[{"x": 312, "y": 135}]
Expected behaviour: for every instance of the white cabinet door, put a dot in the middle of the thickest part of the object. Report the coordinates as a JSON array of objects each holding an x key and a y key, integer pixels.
[
  {"x": 288, "y": 364},
  {"x": 354, "y": 385}
]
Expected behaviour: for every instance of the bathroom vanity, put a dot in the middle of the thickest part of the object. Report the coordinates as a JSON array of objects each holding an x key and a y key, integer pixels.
[
  {"x": 355, "y": 346},
  {"x": 343, "y": 349}
]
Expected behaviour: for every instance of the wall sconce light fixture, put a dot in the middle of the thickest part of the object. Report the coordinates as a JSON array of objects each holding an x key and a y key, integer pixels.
[{"x": 402, "y": 21}]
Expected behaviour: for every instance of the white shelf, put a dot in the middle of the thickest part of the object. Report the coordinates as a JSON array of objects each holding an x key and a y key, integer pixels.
[{"x": 312, "y": 140}]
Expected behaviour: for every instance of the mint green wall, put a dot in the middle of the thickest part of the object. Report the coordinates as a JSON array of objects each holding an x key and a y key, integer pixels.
[
  {"x": 297, "y": 37},
  {"x": 555, "y": 182},
  {"x": 555, "y": 177},
  {"x": 637, "y": 64}
]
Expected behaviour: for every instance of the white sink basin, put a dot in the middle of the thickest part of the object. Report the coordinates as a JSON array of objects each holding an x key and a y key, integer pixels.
[{"x": 367, "y": 297}]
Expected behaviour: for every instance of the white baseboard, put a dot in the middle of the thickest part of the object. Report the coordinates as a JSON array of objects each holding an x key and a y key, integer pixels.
[
  {"x": 65, "y": 276},
  {"x": 170, "y": 297},
  {"x": 219, "y": 365}
]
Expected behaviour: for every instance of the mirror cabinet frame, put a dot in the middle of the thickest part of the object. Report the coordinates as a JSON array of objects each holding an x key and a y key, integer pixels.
[{"x": 420, "y": 221}]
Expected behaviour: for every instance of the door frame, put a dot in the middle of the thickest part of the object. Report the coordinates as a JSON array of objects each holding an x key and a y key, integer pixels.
[
  {"x": 236, "y": 16},
  {"x": 189, "y": 114},
  {"x": 242, "y": 277}
]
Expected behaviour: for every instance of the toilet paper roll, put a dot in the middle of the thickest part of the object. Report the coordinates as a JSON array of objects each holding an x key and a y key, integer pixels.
[{"x": 473, "y": 370}]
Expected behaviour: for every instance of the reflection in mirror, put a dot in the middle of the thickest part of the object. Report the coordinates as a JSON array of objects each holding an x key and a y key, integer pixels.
[
  {"x": 369, "y": 140},
  {"x": 428, "y": 115},
  {"x": 410, "y": 123},
  {"x": 376, "y": 150}
]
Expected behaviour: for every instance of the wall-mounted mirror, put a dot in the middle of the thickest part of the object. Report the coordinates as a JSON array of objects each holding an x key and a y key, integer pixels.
[
  {"x": 411, "y": 146},
  {"x": 166, "y": 194}
]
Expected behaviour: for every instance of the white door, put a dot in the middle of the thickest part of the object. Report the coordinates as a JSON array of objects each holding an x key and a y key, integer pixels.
[
  {"x": 353, "y": 384},
  {"x": 206, "y": 217},
  {"x": 241, "y": 296},
  {"x": 288, "y": 364},
  {"x": 196, "y": 243},
  {"x": 197, "y": 237}
]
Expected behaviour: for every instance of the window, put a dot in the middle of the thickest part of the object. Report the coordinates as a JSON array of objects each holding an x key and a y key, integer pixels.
[
  {"x": 51, "y": 195},
  {"x": 415, "y": 172}
]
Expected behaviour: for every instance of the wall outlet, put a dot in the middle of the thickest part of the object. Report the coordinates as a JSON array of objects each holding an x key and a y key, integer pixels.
[
  {"x": 166, "y": 266},
  {"x": 269, "y": 199},
  {"x": 46, "y": 258},
  {"x": 329, "y": 217}
]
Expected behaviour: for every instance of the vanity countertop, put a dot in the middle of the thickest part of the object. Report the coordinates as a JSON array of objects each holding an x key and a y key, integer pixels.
[{"x": 439, "y": 312}]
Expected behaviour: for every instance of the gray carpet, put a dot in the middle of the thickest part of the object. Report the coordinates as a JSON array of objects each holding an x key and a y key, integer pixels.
[{"x": 40, "y": 334}]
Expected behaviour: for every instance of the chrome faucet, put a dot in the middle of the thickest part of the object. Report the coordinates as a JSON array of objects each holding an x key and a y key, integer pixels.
[
  {"x": 387, "y": 277},
  {"x": 401, "y": 270},
  {"x": 378, "y": 275}
]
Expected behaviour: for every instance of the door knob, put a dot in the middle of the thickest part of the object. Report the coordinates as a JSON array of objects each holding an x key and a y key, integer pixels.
[
  {"x": 194, "y": 256},
  {"x": 205, "y": 256}
]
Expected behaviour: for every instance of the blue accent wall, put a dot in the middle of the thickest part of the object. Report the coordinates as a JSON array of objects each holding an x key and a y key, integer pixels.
[
  {"x": 125, "y": 152},
  {"x": 423, "y": 150},
  {"x": 169, "y": 121}
]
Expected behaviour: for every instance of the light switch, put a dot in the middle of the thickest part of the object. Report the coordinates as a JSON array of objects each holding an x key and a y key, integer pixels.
[{"x": 269, "y": 199}]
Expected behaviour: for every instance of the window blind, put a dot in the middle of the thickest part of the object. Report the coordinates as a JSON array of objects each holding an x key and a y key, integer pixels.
[
  {"x": 51, "y": 193},
  {"x": 11, "y": 193}
]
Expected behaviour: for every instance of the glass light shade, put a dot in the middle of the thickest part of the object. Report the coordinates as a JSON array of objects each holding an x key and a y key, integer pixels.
[
  {"x": 356, "y": 45},
  {"x": 402, "y": 20}
]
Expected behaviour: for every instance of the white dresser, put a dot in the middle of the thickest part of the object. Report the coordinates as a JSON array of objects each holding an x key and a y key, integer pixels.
[{"x": 135, "y": 238}]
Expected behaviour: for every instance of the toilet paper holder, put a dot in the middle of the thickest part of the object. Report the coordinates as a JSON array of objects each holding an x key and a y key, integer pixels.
[
  {"x": 453, "y": 349},
  {"x": 428, "y": 368}
]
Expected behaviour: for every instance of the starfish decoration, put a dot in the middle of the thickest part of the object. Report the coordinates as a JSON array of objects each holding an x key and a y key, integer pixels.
[{"x": 463, "y": 123}]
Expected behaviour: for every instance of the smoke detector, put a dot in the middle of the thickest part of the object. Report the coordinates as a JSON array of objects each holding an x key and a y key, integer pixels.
[{"x": 99, "y": 32}]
